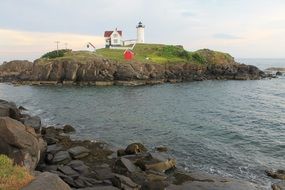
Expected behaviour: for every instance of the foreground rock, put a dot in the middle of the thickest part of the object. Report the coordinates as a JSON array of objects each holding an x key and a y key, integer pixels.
[
  {"x": 279, "y": 186},
  {"x": 47, "y": 181},
  {"x": 9, "y": 109},
  {"x": 278, "y": 174},
  {"x": 19, "y": 142}
]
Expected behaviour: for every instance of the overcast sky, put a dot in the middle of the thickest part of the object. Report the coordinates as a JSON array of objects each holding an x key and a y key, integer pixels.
[{"x": 244, "y": 28}]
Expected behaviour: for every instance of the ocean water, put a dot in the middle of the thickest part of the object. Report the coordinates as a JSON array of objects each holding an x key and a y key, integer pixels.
[{"x": 228, "y": 128}]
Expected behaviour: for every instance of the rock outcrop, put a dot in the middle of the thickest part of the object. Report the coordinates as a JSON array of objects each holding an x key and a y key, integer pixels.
[
  {"x": 102, "y": 71},
  {"x": 19, "y": 142},
  {"x": 47, "y": 181}
]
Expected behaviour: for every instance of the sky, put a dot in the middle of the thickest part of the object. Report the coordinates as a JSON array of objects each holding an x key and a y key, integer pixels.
[{"x": 243, "y": 28}]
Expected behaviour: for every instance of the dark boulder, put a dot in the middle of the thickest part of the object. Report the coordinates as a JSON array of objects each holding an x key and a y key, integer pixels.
[
  {"x": 19, "y": 142},
  {"x": 135, "y": 148},
  {"x": 278, "y": 174},
  {"x": 47, "y": 181},
  {"x": 9, "y": 109},
  {"x": 68, "y": 129},
  {"x": 78, "y": 152},
  {"x": 34, "y": 122}
]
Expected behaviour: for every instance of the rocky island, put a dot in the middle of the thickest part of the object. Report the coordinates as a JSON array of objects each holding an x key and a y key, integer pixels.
[
  {"x": 57, "y": 162},
  {"x": 153, "y": 64}
]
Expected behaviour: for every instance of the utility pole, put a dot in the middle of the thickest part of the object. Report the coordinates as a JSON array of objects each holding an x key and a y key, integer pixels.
[
  {"x": 57, "y": 42},
  {"x": 65, "y": 44}
]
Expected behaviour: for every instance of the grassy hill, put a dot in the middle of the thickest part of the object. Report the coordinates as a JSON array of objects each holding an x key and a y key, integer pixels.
[{"x": 145, "y": 53}]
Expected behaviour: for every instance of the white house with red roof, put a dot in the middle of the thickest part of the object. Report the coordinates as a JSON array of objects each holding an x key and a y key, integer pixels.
[{"x": 113, "y": 38}]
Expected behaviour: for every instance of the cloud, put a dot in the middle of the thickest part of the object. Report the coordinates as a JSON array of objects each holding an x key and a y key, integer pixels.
[
  {"x": 225, "y": 36},
  {"x": 18, "y": 43},
  {"x": 188, "y": 14}
]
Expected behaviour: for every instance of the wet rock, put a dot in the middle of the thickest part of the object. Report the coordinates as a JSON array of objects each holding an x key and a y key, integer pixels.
[
  {"x": 153, "y": 185},
  {"x": 68, "y": 129},
  {"x": 9, "y": 109},
  {"x": 78, "y": 152},
  {"x": 124, "y": 182},
  {"x": 34, "y": 122},
  {"x": 48, "y": 181},
  {"x": 61, "y": 157},
  {"x": 104, "y": 173},
  {"x": 121, "y": 152},
  {"x": 279, "y": 186},
  {"x": 51, "y": 140},
  {"x": 54, "y": 148},
  {"x": 81, "y": 182},
  {"x": 278, "y": 73},
  {"x": 161, "y": 166},
  {"x": 278, "y": 174},
  {"x": 19, "y": 142},
  {"x": 124, "y": 166},
  {"x": 161, "y": 149},
  {"x": 67, "y": 170},
  {"x": 135, "y": 148},
  {"x": 21, "y": 108},
  {"x": 79, "y": 166}
]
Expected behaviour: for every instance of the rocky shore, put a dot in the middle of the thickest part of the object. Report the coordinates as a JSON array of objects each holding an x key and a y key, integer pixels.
[
  {"x": 103, "y": 71},
  {"x": 61, "y": 163}
]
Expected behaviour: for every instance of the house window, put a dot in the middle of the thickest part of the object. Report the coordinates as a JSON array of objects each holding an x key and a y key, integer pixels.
[
  {"x": 115, "y": 41},
  {"x": 115, "y": 35}
]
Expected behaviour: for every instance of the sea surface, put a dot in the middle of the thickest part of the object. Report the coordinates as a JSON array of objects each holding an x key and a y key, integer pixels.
[{"x": 228, "y": 128}]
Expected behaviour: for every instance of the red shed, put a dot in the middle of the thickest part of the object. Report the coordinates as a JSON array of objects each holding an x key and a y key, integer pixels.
[{"x": 129, "y": 54}]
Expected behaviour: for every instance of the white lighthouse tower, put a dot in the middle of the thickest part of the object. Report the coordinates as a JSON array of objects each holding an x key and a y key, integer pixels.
[{"x": 140, "y": 33}]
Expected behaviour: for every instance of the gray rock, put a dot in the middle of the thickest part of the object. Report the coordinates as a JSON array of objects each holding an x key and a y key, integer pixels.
[
  {"x": 51, "y": 140},
  {"x": 47, "y": 181},
  {"x": 79, "y": 166},
  {"x": 279, "y": 186},
  {"x": 9, "y": 109},
  {"x": 68, "y": 129},
  {"x": 123, "y": 182},
  {"x": 278, "y": 174},
  {"x": 135, "y": 148},
  {"x": 104, "y": 173},
  {"x": 124, "y": 166},
  {"x": 34, "y": 122},
  {"x": 78, "y": 152},
  {"x": 67, "y": 170},
  {"x": 19, "y": 142},
  {"x": 54, "y": 148},
  {"x": 61, "y": 157},
  {"x": 82, "y": 182}
]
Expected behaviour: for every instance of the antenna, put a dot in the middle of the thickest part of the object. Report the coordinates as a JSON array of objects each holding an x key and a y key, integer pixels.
[{"x": 57, "y": 42}]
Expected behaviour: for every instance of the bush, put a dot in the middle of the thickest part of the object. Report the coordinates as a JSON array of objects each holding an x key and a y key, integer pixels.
[
  {"x": 12, "y": 177},
  {"x": 197, "y": 57},
  {"x": 55, "y": 53},
  {"x": 174, "y": 51}
]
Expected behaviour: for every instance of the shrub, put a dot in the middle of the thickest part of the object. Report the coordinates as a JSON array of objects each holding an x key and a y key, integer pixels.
[
  {"x": 197, "y": 57},
  {"x": 174, "y": 51},
  {"x": 56, "y": 53},
  {"x": 12, "y": 177}
]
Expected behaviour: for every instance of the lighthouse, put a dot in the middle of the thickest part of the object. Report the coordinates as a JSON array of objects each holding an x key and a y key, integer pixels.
[{"x": 140, "y": 33}]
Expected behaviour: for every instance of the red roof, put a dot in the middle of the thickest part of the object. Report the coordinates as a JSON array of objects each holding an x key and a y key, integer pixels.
[{"x": 109, "y": 33}]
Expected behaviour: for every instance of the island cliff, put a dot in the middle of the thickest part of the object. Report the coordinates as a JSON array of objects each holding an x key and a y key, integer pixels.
[{"x": 101, "y": 69}]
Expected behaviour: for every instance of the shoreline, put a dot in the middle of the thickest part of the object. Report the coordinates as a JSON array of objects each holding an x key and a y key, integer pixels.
[{"x": 136, "y": 159}]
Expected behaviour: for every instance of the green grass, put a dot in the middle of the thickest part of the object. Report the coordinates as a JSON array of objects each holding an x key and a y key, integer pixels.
[
  {"x": 12, "y": 177},
  {"x": 149, "y": 53}
]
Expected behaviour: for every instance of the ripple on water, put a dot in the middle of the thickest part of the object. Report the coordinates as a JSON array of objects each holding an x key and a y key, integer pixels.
[{"x": 229, "y": 128}]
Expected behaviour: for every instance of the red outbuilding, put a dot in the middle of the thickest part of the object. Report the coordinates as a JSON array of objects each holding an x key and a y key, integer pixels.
[{"x": 129, "y": 54}]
